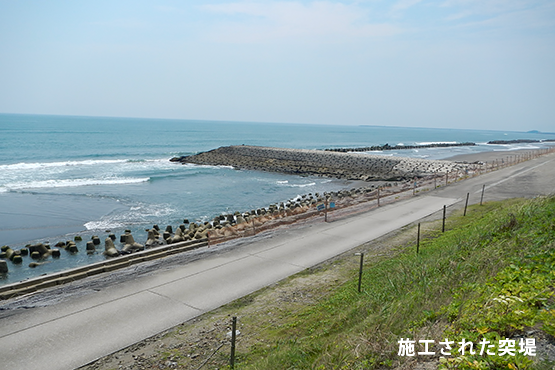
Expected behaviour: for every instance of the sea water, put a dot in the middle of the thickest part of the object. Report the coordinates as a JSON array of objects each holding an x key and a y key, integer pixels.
[{"x": 61, "y": 176}]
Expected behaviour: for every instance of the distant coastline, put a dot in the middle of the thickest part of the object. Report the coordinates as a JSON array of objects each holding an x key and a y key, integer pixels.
[
  {"x": 520, "y": 141},
  {"x": 398, "y": 147}
]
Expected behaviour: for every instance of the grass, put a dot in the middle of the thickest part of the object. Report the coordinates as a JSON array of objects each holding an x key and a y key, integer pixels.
[{"x": 489, "y": 276}]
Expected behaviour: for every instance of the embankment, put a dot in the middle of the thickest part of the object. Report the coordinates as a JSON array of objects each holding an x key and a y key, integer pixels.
[{"x": 351, "y": 166}]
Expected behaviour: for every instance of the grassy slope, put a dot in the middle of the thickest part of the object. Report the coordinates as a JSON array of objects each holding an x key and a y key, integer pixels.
[{"x": 489, "y": 276}]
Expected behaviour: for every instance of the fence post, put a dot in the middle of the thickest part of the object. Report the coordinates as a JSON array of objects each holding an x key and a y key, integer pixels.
[
  {"x": 466, "y": 203},
  {"x": 418, "y": 240},
  {"x": 378, "y": 196},
  {"x": 233, "y": 337},
  {"x": 446, "y": 178},
  {"x": 482, "y": 197},
  {"x": 360, "y": 270},
  {"x": 443, "y": 226}
]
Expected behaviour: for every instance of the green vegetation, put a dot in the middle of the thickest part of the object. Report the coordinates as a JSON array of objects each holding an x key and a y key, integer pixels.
[{"x": 489, "y": 276}]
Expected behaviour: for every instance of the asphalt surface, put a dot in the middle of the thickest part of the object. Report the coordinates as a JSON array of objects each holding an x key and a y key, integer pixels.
[{"x": 69, "y": 326}]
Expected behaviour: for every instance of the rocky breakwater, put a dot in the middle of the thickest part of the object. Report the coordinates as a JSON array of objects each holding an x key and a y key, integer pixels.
[{"x": 351, "y": 166}]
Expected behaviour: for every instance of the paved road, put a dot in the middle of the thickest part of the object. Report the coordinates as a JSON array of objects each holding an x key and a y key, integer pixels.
[
  {"x": 76, "y": 329},
  {"x": 529, "y": 179}
]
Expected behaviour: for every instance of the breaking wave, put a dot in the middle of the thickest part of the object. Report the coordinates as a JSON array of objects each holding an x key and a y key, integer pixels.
[
  {"x": 302, "y": 185},
  {"x": 72, "y": 183},
  {"x": 42, "y": 165},
  {"x": 136, "y": 215}
]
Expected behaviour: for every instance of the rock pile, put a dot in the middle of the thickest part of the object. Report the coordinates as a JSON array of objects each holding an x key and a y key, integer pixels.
[
  {"x": 351, "y": 166},
  {"x": 398, "y": 147}
]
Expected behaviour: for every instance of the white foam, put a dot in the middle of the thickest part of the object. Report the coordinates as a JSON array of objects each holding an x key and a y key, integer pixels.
[
  {"x": 436, "y": 142},
  {"x": 511, "y": 148},
  {"x": 136, "y": 215},
  {"x": 302, "y": 185},
  {"x": 41, "y": 165},
  {"x": 74, "y": 183},
  {"x": 380, "y": 153},
  {"x": 103, "y": 225}
]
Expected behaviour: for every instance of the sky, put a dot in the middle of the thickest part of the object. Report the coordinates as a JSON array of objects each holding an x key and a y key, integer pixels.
[{"x": 477, "y": 64}]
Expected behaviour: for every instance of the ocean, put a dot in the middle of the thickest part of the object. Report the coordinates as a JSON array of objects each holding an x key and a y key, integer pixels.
[{"x": 62, "y": 176}]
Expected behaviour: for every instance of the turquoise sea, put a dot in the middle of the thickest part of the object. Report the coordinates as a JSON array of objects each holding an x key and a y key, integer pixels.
[{"x": 63, "y": 175}]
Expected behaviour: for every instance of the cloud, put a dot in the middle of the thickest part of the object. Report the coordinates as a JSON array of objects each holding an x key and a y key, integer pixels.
[
  {"x": 506, "y": 14},
  {"x": 404, "y": 4},
  {"x": 276, "y": 20},
  {"x": 494, "y": 7}
]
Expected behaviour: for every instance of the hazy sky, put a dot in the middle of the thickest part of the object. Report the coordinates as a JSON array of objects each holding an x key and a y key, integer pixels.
[{"x": 486, "y": 64}]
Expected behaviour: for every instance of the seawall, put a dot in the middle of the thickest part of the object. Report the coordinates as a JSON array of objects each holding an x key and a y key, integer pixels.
[{"x": 352, "y": 166}]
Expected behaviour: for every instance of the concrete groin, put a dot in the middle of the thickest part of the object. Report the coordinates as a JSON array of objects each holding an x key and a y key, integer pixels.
[{"x": 351, "y": 166}]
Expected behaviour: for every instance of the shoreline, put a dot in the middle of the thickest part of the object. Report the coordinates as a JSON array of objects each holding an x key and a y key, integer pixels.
[{"x": 357, "y": 191}]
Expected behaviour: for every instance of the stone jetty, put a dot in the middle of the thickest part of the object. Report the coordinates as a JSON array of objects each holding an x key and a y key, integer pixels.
[
  {"x": 351, "y": 166},
  {"x": 398, "y": 147}
]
